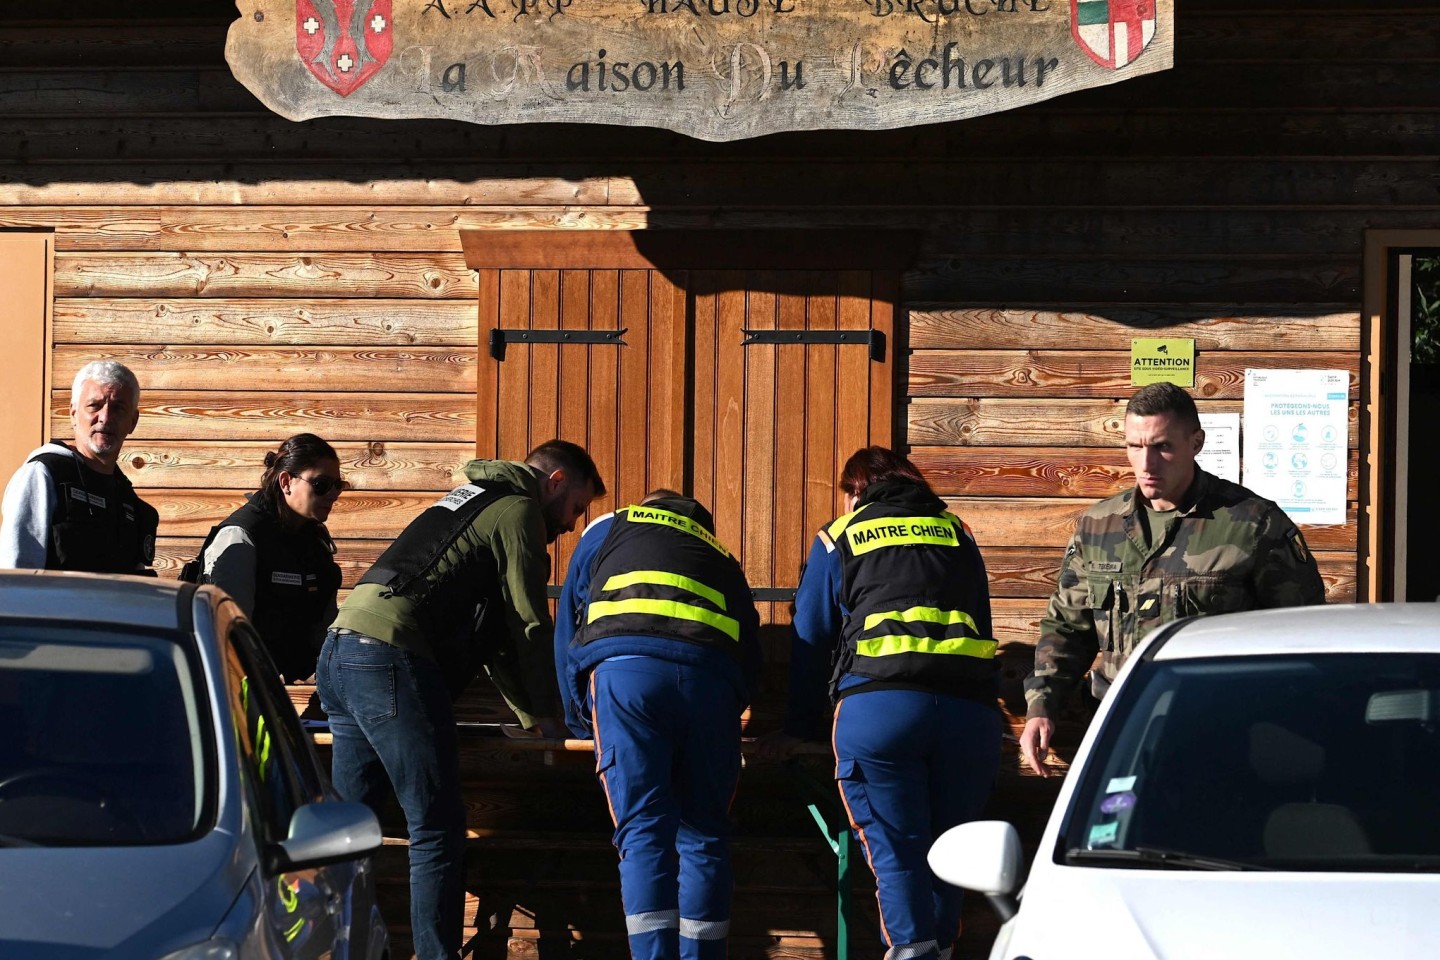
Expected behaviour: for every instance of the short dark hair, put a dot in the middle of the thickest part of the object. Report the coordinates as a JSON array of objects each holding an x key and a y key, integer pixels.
[
  {"x": 870, "y": 465},
  {"x": 662, "y": 493},
  {"x": 571, "y": 457},
  {"x": 1158, "y": 398}
]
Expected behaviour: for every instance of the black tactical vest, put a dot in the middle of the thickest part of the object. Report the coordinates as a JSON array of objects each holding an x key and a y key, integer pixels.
[
  {"x": 296, "y": 581},
  {"x": 910, "y": 580},
  {"x": 99, "y": 524},
  {"x": 455, "y": 589},
  {"x": 661, "y": 574}
]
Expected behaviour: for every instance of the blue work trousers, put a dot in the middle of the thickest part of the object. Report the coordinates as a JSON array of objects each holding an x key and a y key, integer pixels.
[
  {"x": 667, "y": 747},
  {"x": 911, "y": 765},
  {"x": 391, "y": 719}
]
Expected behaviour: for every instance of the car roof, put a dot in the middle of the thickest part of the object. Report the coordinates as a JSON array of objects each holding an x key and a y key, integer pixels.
[
  {"x": 84, "y": 598},
  {"x": 1332, "y": 628}
]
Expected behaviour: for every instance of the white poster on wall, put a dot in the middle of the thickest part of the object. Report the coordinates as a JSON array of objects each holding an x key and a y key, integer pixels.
[
  {"x": 1297, "y": 434},
  {"x": 1221, "y": 455}
]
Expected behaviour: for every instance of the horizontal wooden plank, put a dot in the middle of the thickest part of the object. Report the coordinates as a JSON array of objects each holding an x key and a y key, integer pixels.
[
  {"x": 978, "y": 180},
  {"x": 374, "y": 515},
  {"x": 366, "y": 185},
  {"x": 1254, "y": 327},
  {"x": 420, "y": 369},
  {"x": 1090, "y": 472},
  {"x": 1050, "y": 522},
  {"x": 237, "y": 465},
  {"x": 265, "y": 321},
  {"x": 1051, "y": 421},
  {"x": 1157, "y": 129},
  {"x": 271, "y": 416},
  {"x": 148, "y": 221},
  {"x": 1215, "y": 279},
  {"x": 394, "y": 276},
  {"x": 978, "y": 372},
  {"x": 1030, "y": 572},
  {"x": 115, "y": 45}
]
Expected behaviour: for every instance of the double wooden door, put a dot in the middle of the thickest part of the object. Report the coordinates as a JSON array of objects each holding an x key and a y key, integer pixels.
[{"x": 633, "y": 344}]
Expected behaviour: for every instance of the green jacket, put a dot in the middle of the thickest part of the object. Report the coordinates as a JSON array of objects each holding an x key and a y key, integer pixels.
[
  {"x": 1225, "y": 549},
  {"x": 521, "y": 663}
]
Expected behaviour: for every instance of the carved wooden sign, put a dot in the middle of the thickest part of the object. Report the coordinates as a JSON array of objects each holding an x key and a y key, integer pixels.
[{"x": 713, "y": 69}]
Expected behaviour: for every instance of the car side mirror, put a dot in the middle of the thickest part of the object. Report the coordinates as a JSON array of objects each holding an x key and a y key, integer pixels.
[
  {"x": 327, "y": 832},
  {"x": 983, "y": 856}
]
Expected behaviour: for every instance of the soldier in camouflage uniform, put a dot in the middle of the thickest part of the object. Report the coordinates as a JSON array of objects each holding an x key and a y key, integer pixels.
[{"x": 1181, "y": 542}]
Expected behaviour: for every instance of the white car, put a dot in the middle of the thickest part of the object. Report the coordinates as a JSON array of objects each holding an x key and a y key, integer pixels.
[{"x": 1260, "y": 785}]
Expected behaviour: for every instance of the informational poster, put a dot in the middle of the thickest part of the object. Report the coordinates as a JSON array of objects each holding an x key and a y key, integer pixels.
[
  {"x": 1297, "y": 434},
  {"x": 1158, "y": 360},
  {"x": 1221, "y": 455}
]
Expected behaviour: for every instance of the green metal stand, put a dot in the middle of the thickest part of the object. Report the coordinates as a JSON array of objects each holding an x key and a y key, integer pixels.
[{"x": 834, "y": 826}]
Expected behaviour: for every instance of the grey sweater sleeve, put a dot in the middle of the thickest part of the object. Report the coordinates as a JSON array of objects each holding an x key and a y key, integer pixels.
[{"x": 29, "y": 505}]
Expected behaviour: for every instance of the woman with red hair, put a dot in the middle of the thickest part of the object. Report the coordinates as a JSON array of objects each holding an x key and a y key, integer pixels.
[{"x": 894, "y": 595}]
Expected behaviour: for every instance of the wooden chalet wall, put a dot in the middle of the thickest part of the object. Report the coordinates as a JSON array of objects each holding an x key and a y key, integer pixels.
[{"x": 265, "y": 277}]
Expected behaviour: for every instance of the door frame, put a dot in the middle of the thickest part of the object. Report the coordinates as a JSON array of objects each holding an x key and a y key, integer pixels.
[{"x": 1384, "y": 385}]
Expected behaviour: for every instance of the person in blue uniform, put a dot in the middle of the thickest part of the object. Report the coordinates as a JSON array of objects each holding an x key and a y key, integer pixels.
[
  {"x": 657, "y": 652},
  {"x": 894, "y": 595}
]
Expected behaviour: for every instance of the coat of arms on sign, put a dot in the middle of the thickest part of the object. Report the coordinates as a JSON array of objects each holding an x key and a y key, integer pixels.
[
  {"x": 1112, "y": 32},
  {"x": 343, "y": 42}
]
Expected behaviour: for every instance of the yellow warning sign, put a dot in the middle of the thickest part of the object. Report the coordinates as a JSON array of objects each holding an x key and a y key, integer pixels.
[{"x": 1154, "y": 360}]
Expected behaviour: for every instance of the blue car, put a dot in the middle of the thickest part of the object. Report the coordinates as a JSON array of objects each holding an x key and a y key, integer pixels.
[{"x": 158, "y": 796}]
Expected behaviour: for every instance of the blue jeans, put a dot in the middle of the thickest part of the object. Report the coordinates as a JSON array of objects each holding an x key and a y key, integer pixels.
[
  {"x": 667, "y": 740},
  {"x": 391, "y": 719},
  {"x": 910, "y": 766}
]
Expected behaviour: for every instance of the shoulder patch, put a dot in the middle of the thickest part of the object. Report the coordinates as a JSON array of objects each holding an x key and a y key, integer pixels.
[
  {"x": 1297, "y": 544},
  {"x": 826, "y": 539}
]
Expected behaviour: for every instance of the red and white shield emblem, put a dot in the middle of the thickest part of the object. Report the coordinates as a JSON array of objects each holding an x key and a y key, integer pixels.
[
  {"x": 343, "y": 42},
  {"x": 1112, "y": 32}
]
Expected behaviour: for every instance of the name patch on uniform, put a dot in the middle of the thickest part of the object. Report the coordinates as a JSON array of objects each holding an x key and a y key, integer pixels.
[
  {"x": 286, "y": 579},
  {"x": 460, "y": 496},
  {"x": 870, "y": 535},
  {"x": 1107, "y": 566},
  {"x": 85, "y": 496},
  {"x": 675, "y": 521}
]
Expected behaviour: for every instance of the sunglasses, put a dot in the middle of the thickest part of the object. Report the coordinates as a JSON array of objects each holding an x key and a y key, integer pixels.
[{"x": 324, "y": 486}]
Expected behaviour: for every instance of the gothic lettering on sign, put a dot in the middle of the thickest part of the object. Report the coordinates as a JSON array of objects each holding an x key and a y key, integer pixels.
[{"x": 713, "y": 69}]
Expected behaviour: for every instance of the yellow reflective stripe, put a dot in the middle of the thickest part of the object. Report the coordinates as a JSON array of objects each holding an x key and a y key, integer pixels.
[
  {"x": 666, "y": 608},
  {"x": 622, "y": 580},
  {"x": 838, "y": 525},
  {"x": 870, "y": 535},
  {"x": 675, "y": 522},
  {"x": 923, "y": 615},
  {"x": 294, "y": 930},
  {"x": 907, "y": 643},
  {"x": 262, "y": 744},
  {"x": 289, "y": 896}
]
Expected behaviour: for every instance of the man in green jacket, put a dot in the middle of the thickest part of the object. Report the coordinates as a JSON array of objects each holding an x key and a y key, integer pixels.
[
  {"x": 1181, "y": 542},
  {"x": 462, "y": 587}
]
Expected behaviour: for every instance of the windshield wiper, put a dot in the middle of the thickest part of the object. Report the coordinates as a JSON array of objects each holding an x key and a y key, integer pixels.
[{"x": 1150, "y": 856}]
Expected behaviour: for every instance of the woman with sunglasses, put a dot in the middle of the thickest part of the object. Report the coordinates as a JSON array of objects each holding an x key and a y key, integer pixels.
[{"x": 274, "y": 555}]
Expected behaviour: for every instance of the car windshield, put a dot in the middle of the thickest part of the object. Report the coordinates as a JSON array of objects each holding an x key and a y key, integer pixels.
[
  {"x": 1296, "y": 762},
  {"x": 105, "y": 740}
]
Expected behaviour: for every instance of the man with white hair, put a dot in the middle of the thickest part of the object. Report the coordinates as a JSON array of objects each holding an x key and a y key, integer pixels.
[{"x": 70, "y": 507}]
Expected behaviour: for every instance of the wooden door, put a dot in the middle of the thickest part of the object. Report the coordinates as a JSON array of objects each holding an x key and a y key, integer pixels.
[{"x": 755, "y": 431}]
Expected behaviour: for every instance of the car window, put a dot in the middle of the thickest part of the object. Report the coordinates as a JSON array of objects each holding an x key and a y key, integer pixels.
[
  {"x": 106, "y": 740},
  {"x": 278, "y": 756},
  {"x": 1319, "y": 762}
]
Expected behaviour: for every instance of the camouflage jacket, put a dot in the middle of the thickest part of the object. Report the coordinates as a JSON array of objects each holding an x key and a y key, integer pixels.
[{"x": 1224, "y": 550}]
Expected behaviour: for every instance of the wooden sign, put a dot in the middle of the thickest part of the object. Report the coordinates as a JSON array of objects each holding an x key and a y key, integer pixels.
[{"x": 713, "y": 69}]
